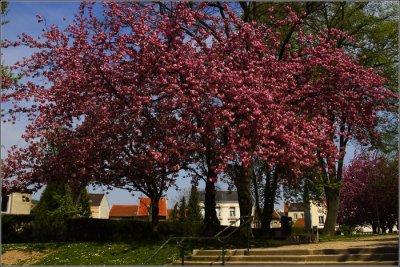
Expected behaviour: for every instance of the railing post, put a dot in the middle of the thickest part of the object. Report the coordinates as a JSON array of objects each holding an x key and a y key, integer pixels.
[
  {"x": 182, "y": 255},
  {"x": 248, "y": 238},
  {"x": 223, "y": 252}
]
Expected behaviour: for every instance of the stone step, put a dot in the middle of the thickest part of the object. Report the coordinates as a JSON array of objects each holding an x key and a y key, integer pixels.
[
  {"x": 299, "y": 258},
  {"x": 338, "y": 258},
  {"x": 307, "y": 263},
  {"x": 378, "y": 250}
]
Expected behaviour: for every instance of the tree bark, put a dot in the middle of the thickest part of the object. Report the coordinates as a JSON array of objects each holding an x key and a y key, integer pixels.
[
  {"x": 332, "y": 201},
  {"x": 211, "y": 222},
  {"x": 373, "y": 225},
  {"x": 334, "y": 179},
  {"x": 154, "y": 213},
  {"x": 256, "y": 196},
  {"x": 242, "y": 181},
  {"x": 271, "y": 185}
]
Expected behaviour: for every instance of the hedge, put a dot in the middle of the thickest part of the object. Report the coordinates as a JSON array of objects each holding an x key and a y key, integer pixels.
[
  {"x": 19, "y": 229},
  {"x": 16, "y": 228}
]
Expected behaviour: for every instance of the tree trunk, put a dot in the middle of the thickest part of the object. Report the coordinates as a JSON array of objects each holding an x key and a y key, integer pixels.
[
  {"x": 256, "y": 196},
  {"x": 307, "y": 208},
  {"x": 332, "y": 201},
  {"x": 244, "y": 194},
  {"x": 334, "y": 183},
  {"x": 266, "y": 221},
  {"x": 211, "y": 222},
  {"x": 373, "y": 225},
  {"x": 271, "y": 185},
  {"x": 154, "y": 213}
]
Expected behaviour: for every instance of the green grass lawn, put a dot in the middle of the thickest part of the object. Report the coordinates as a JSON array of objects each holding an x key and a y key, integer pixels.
[
  {"x": 98, "y": 253},
  {"x": 355, "y": 237}
]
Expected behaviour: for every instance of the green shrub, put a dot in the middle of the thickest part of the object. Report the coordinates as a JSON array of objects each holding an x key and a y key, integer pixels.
[
  {"x": 346, "y": 229},
  {"x": 299, "y": 231},
  {"x": 87, "y": 229}
]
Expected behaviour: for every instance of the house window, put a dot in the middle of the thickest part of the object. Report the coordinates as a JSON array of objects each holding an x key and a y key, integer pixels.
[
  {"x": 218, "y": 211},
  {"x": 302, "y": 215},
  {"x": 4, "y": 203},
  {"x": 321, "y": 219},
  {"x": 232, "y": 212},
  {"x": 295, "y": 216}
]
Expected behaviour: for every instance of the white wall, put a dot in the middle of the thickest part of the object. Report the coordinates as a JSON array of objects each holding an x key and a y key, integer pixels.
[
  {"x": 225, "y": 217},
  {"x": 104, "y": 210},
  {"x": 223, "y": 212},
  {"x": 316, "y": 211},
  {"x": 19, "y": 203}
]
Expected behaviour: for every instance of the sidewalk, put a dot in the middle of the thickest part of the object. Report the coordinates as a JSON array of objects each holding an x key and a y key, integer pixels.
[{"x": 364, "y": 241}]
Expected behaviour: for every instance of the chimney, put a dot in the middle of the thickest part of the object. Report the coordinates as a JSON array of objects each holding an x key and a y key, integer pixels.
[{"x": 286, "y": 208}]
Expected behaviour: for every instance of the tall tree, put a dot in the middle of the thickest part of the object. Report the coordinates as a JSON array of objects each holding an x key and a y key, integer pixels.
[
  {"x": 182, "y": 210},
  {"x": 369, "y": 195},
  {"x": 55, "y": 207},
  {"x": 174, "y": 213},
  {"x": 193, "y": 206},
  {"x": 372, "y": 25}
]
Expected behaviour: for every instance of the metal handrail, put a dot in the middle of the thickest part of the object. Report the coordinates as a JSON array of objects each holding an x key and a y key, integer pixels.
[
  {"x": 229, "y": 226},
  {"x": 249, "y": 220},
  {"x": 215, "y": 237}
]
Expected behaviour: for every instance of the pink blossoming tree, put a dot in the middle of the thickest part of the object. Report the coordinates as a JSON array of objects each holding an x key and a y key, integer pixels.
[
  {"x": 369, "y": 194},
  {"x": 135, "y": 95}
]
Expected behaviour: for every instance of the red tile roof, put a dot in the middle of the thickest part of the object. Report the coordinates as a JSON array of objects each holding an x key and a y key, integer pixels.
[
  {"x": 144, "y": 204},
  {"x": 300, "y": 223},
  {"x": 124, "y": 211}
]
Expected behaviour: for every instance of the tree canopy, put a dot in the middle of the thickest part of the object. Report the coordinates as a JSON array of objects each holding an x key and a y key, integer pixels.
[{"x": 369, "y": 195}]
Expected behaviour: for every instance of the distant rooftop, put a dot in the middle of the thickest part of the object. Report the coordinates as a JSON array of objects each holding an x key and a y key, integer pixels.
[
  {"x": 299, "y": 223},
  {"x": 222, "y": 196},
  {"x": 296, "y": 207},
  {"x": 124, "y": 211},
  {"x": 95, "y": 199},
  {"x": 145, "y": 203}
]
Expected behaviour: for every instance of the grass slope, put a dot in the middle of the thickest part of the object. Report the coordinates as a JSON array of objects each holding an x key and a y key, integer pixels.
[{"x": 98, "y": 253}]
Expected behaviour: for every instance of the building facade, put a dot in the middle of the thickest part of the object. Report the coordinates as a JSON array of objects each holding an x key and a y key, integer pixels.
[
  {"x": 16, "y": 203},
  {"x": 228, "y": 211},
  {"x": 227, "y": 206},
  {"x": 99, "y": 206},
  {"x": 298, "y": 211}
]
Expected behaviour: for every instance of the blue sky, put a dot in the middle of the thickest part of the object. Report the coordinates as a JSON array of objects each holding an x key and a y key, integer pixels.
[{"x": 22, "y": 16}]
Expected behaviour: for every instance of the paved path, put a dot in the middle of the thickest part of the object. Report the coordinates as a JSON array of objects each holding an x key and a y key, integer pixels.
[{"x": 364, "y": 242}]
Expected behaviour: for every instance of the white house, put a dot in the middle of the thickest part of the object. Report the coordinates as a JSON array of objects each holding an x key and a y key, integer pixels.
[
  {"x": 299, "y": 213},
  {"x": 16, "y": 203},
  {"x": 228, "y": 211},
  {"x": 99, "y": 206}
]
